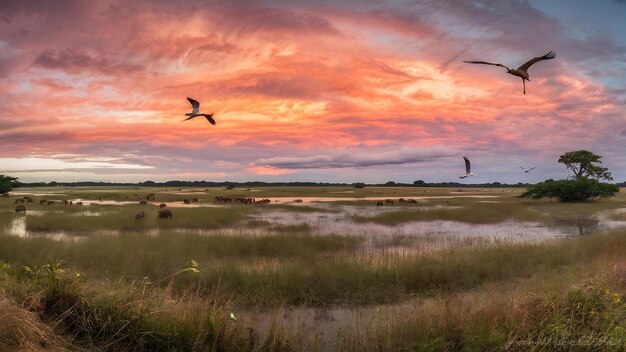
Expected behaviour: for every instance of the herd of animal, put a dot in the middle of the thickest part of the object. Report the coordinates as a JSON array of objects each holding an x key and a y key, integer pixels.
[
  {"x": 222, "y": 199},
  {"x": 162, "y": 213},
  {"x": 380, "y": 203}
]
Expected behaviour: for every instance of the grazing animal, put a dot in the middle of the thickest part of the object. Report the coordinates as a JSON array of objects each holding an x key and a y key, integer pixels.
[
  {"x": 140, "y": 215},
  {"x": 19, "y": 201},
  {"x": 143, "y": 202},
  {"x": 20, "y": 209},
  {"x": 186, "y": 201},
  {"x": 43, "y": 201},
  {"x": 195, "y": 111},
  {"x": 28, "y": 199},
  {"x": 528, "y": 170},
  {"x": 50, "y": 202},
  {"x": 150, "y": 196},
  {"x": 194, "y": 200},
  {"x": 79, "y": 203},
  {"x": 412, "y": 201},
  {"x": 521, "y": 71},
  {"x": 402, "y": 200},
  {"x": 468, "y": 168},
  {"x": 379, "y": 204},
  {"x": 162, "y": 205},
  {"x": 165, "y": 214},
  {"x": 388, "y": 201}
]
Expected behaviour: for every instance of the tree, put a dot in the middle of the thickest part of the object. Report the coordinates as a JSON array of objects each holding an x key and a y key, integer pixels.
[
  {"x": 583, "y": 164},
  {"x": 358, "y": 185},
  {"x": 420, "y": 183},
  {"x": 7, "y": 183},
  {"x": 585, "y": 184},
  {"x": 572, "y": 190}
]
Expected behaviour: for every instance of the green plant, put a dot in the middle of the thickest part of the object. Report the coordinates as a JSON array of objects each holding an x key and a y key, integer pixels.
[
  {"x": 7, "y": 183},
  {"x": 571, "y": 190}
]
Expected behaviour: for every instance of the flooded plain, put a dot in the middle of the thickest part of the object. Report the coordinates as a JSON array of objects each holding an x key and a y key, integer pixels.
[{"x": 324, "y": 216}]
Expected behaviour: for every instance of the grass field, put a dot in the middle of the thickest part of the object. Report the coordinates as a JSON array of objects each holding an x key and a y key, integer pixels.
[{"x": 93, "y": 277}]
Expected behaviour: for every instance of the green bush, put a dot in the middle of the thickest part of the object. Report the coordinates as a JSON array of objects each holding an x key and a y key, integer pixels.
[
  {"x": 7, "y": 183},
  {"x": 571, "y": 190}
]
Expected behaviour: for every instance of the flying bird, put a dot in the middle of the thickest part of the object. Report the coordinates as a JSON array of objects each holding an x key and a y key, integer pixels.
[
  {"x": 468, "y": 168},
  {"x": 521, "y": 71},
  {"x": 528, "y": 170},
  {"x": 196, "y": 112}
]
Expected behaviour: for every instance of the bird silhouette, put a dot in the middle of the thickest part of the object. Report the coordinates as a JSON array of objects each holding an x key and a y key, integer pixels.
[
  {"x": 521, "y": 71},
  {"x": 195, "y": 111},
  {"x": 528, "y": 170},
  {"x": 468, "y": 168}
]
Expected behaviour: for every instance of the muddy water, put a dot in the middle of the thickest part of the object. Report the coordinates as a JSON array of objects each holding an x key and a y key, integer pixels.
[{"x": 349, "y": 199}]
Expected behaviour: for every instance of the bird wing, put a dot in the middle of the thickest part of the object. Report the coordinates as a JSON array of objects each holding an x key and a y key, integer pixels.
[
  {"x": 190, "y": 117},
  {"x": 548, "y": 56},
  {"x": 210, "y": 118},
  {"x": 486, "y": 63},
  {"x": 532, "y": 168},
  {"x": 194, "y": 104},
  {"x": 522, "y": 168},
  {"x": 467, "y": 165}
]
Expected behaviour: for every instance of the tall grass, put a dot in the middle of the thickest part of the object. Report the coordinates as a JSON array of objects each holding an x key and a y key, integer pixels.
[{"x": 304, "y": 269}]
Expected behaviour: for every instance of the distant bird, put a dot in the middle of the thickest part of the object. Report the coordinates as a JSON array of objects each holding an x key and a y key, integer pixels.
[
  {"x": 195, "y": 112},
  {"x": 528, "y": 170},
  {"x": 521, "y": 71},
  {"x": 468, "y": 168}
]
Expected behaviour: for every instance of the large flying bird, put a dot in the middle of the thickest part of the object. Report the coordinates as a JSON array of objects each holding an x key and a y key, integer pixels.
[
  {"x": 521, "y": 71},
  {"x": 196, "y": 112},
  {"x": 468, "y": 168}
]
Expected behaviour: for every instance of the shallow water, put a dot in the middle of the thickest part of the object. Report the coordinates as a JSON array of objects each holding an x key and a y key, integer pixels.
[{"x": 344, "y": 199}]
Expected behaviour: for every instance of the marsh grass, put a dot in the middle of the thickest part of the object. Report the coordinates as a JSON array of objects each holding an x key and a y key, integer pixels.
[
  {"x": 304, "y": 269},
  {"x": 137, "y": 315}
]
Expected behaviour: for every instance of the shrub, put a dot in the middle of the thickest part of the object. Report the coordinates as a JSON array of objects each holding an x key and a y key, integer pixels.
[{"x": 571, "y": 190}]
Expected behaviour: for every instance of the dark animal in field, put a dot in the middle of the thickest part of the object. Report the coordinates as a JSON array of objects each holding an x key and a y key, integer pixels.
[
  {"x": 165, "y": 214},
  {"x": 379, "y": 204},
  {"x": 162, "y": 205},
  {"x": 28, "y": 199},
  {"x": 150, "y": 196},
  {"x": 19, "y": 201},
  {"x": 143, "y": 202},
  {"x": 43, "y": 201},
  {"x": 223, "y": 199},
  {"x": 79, "y": 203},
  {"x": 186, "y": 201},
  {"x": 140, "y": 215},
  {"x": 262, "y": 201},
  {"x": 194, "y": 200},
  {"x": 401, "y": 200},
  {"x": 71, "y": 202},
  {"x": 412, "y": 201},
  {"x": 388, "y": 201},
  {"x": 50, "y": 202},
  {"x": 65, "y": 202},
  {"x": 20, "y": 209}
]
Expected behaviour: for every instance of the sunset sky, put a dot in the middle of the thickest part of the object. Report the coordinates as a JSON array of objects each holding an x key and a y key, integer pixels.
[{"x": 303, "y": 90}]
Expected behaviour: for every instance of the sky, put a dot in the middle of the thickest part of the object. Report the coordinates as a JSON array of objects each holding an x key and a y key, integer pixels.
[{"x": 303, "y": 90}]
